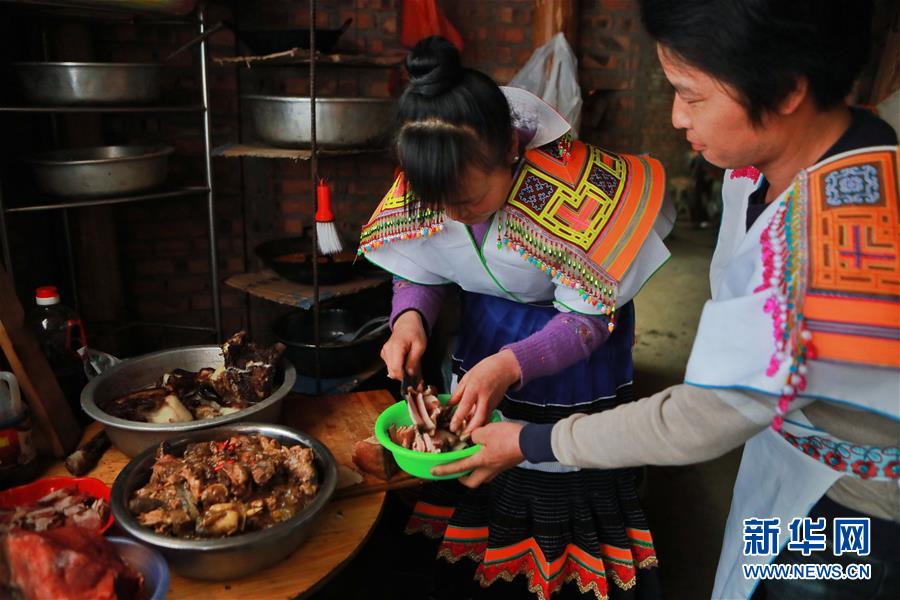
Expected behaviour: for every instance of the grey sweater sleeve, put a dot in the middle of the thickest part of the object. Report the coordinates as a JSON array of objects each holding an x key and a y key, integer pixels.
[{"x": 680, "y": 425}]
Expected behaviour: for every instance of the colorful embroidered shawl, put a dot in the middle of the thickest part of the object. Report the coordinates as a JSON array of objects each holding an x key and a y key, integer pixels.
[
  {"x": 841, "y": 243},
  {"x": 576, "y": 211}
]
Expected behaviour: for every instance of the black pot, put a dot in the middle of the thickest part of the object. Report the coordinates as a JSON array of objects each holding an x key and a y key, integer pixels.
[
  {"x": 295, "y": 330},
  {"x": 292, "y": 259},
  {"x": 270, "y": 41}
]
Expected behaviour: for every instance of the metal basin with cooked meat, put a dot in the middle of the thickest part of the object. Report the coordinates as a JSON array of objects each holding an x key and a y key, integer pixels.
[{"x": 239, "y": 555}]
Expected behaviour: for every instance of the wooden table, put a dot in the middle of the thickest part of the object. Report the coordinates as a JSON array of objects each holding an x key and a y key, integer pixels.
[{"x": 338, "y": 422}]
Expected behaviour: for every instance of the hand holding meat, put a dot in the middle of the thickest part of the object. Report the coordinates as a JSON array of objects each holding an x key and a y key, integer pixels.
[
  {"x": 481, "y": 390},
  {"x": 402, "y": 353},
  {"x": 499, "y": 451},
  {"x": 430, "y": 429}
]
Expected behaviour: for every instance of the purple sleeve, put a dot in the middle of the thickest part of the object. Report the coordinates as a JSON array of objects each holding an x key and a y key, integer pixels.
[
  {"x": 424, "y": 299},
  {"x": 566, "y": 339}
]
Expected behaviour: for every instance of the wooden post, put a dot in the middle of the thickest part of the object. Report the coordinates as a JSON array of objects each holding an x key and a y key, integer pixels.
[{"x": 552, "y": 16}]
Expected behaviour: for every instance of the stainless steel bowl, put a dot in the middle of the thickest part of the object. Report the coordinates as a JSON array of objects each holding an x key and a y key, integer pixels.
[
  {"x": 79, "y": 83},
  {"x": 340, "y": 122},
  {"x": 235, "y": 556},
  {"x": 132, "y": 437},
  {"x": 100, "y": 171}
]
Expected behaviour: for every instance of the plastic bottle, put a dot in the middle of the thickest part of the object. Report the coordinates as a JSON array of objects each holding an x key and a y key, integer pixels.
[
  {"x": 61, "y": 335},
  {"x": 17, "y": 454}
]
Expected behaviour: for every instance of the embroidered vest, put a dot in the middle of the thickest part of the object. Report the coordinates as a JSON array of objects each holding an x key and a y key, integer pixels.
[{"x": 576, "y": 211}]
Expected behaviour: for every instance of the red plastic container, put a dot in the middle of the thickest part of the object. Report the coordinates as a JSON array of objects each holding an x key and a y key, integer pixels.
[{"x": 32, "y": 492}]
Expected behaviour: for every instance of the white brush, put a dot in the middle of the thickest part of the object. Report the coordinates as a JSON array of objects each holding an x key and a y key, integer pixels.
[{"x": 326, "y": 231}]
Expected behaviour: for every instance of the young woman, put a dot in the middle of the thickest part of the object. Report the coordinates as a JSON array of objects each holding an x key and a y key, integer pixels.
[
  {"x": 549, "y": 239},
  {"x": 798, "y": 350}
]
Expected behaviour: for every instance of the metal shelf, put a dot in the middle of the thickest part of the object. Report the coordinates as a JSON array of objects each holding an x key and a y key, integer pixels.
[
  {"x": 186, "y": 191},
  {"x": 260, "y": 150},
  {"x": 102, "y": 109},
  {"x": 196, "y": 19},
  {"x": 299, "y": 56},
  {"x": 267, "y": 285}
]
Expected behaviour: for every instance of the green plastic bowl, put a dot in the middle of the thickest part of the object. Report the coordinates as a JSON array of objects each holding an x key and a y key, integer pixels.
[{"x": 419, "y": 464}]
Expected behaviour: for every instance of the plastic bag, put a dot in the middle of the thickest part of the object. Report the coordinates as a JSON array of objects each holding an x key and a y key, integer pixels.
[
  {"x": 552, "y": 74},
  {"x": 96, "y": 362},
  {"x": 424, "y": 18}
]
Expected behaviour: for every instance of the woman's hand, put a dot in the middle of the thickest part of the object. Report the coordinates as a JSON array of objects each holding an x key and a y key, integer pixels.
[
  {"x": 403, "y": 350},
  {"x": 500, "y": 451},
  {"x": 480, "y": 390}
]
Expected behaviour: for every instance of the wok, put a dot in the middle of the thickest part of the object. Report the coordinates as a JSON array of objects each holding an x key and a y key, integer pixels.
[
  {"x": 270, "y": 41},
  {"x": 292, "y": 259},
  {"x": 295, "y": 330}
]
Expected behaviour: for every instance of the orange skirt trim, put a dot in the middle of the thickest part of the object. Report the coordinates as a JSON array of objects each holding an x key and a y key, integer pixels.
[
  {"x": 459, "y": 542},
  {"x": 590, "y": 573},
  {"x": 642, "y": 547},
  {"x": 429, "y": 519}
]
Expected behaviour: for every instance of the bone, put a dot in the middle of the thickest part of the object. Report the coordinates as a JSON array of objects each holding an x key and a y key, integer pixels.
[
  {"x": 423, "y": 411},
  {"x": 418, "y": 442},
  {"x": 414, "y": 410}
]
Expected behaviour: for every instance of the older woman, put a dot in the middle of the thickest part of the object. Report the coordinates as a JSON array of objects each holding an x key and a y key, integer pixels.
[{"x": 798, "y": 350}]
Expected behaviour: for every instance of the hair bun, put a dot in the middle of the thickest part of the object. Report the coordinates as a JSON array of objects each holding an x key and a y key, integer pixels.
[{"x": 434, "y": 66}]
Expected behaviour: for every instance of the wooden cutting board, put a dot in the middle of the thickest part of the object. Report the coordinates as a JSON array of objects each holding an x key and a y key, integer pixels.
[{"x": 339, "y": 422}]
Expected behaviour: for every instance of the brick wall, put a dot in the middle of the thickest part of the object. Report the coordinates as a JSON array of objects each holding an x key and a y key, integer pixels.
[{"x": 165, "y": 269}]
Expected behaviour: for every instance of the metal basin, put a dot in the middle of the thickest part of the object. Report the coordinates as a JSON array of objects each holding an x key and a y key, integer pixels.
[
  {"x": 132, "y": 437},
  {"x": 235, "y": 556},
  {"x": 340, "y": 122},
  {"x": 100, "y": 171},
  {"x": 80, "y": 83},
  {"x": 171, "y": 7}
]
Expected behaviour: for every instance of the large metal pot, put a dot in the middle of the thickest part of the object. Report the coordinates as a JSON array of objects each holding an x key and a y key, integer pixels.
[
  {"x": 239, "y": 555},
  {"x": 100, "y": 171},
  {"x": 295, "y": 330},
  {"x": 80, "y": 83},
  {"x": 131, "y": 437},
  {"x": 340, "y": 122}
]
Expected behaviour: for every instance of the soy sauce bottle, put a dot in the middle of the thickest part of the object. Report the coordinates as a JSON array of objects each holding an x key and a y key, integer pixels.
[{"x": 61, "y": 334}]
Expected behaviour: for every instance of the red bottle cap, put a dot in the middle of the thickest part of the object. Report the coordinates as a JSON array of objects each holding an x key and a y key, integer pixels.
[{"x": 46, "y": 295}]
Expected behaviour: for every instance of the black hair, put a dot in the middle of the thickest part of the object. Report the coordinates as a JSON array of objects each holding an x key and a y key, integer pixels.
[
  {"x": 450, "y": 118},
  {"x": 762, "y": 47}
]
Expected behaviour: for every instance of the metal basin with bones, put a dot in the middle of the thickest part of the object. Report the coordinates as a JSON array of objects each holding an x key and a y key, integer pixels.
[{"x": 131, "y": 437}]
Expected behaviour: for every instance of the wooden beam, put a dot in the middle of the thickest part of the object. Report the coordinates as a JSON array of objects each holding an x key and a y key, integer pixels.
[{"x": 553, "y": 16}]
